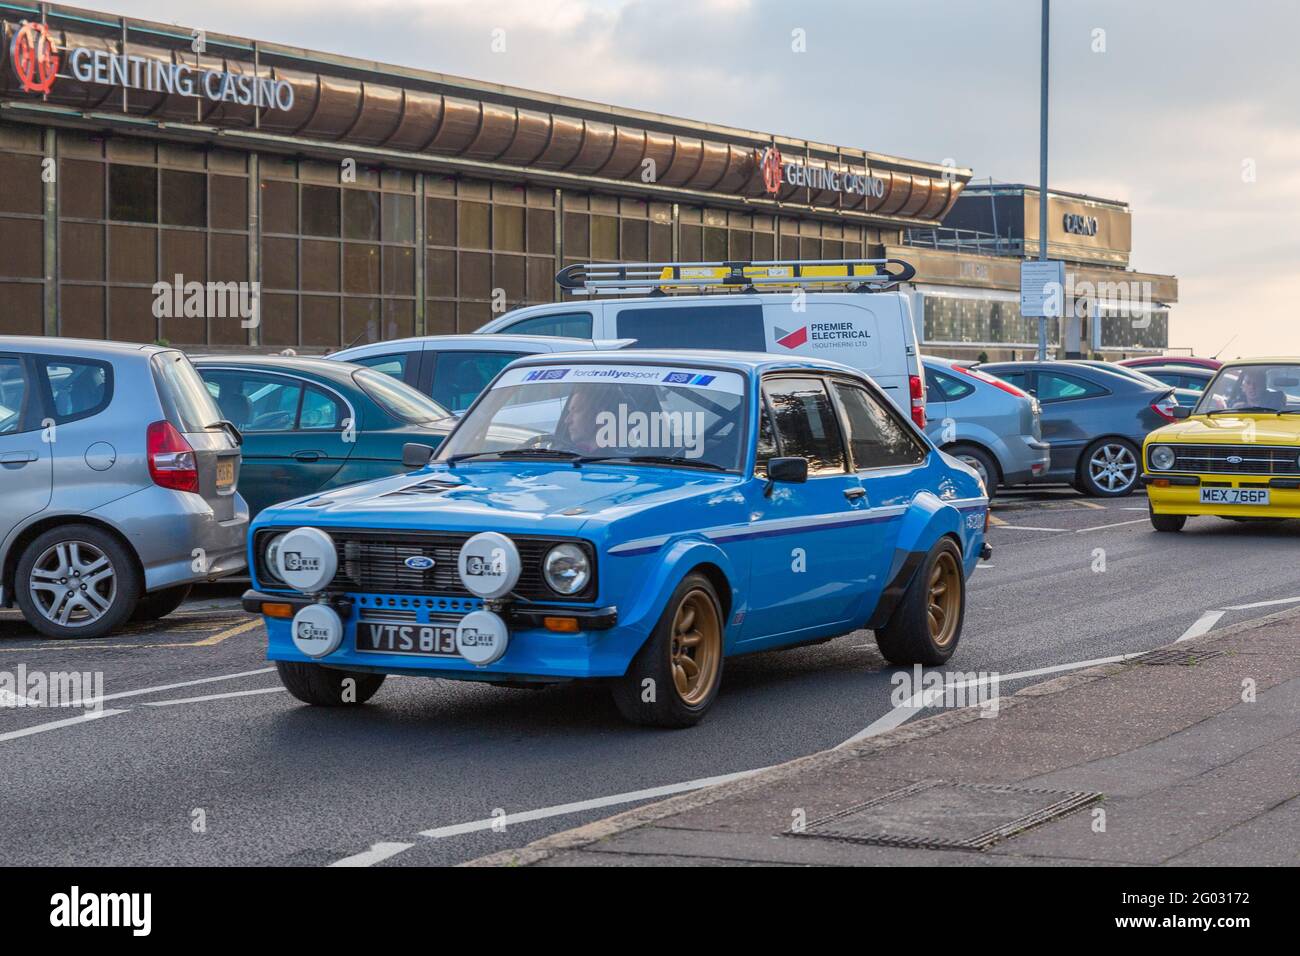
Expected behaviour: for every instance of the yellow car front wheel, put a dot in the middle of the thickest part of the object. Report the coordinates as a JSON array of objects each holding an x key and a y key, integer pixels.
[{"x": 1167, "y": 523}]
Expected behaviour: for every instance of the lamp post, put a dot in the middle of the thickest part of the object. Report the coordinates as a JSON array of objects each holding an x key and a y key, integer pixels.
[{"x": 1042, "y": 173}]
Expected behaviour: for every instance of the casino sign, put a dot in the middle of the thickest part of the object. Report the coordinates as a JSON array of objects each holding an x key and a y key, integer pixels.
[{"x": 777, "y": 171}]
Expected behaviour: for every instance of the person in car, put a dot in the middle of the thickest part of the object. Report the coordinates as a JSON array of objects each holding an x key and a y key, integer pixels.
[{"x": 1255, "y": 392}]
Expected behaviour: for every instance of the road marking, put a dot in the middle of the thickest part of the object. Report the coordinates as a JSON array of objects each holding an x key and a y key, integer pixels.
[
  {"x": 195, "y": 700},
  {"x": 376, "y": 854},
  {"x": 995, "y": 521},
  {"x": 1203, "y": 626},
  {"x": 56, "y": 724},
  {"x": 1025, "y": 527},
  {"x": 1117, "y": 524},
  {"x": 582, "y": 806},
  {"x": 909, "y": 708},
  {"x": 1251, "y": 607},
  {"x": 218, "y": 638},
  {"x": 1085, "y": 503},
  {"x": 162, "y": 687}
]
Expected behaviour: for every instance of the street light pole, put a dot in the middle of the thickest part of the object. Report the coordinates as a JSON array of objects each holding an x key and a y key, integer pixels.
[{"x": 1042, "y": 177}]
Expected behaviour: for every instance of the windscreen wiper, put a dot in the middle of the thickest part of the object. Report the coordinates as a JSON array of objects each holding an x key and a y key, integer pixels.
[
  {"x": 1247, "y": 408},
  {"x": 517, "y": 453},
  {"x": 658, "y": 460}
]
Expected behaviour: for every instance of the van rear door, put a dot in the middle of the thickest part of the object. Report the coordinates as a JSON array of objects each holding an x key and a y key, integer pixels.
[{"x": 861, "y": 331}]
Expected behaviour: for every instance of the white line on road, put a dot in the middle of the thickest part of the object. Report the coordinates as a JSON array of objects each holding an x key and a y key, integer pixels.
[
  {"x": 1117, "y": 524},
  {"x": 376, "y": 854},
  {"x": 1203, "y": 626},
  {"x": 195, "y": 700},
  {"x": 56, "y": 724},
  {"x": 1251, "y": 607},
  {"x": 162, "y": 687},
  {"x": 1025, "y": 527},
  {"x": 582, "y": 806}
]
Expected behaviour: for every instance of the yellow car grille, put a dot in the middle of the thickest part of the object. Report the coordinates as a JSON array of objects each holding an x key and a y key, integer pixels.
[{"x": 1235, "y": 460}]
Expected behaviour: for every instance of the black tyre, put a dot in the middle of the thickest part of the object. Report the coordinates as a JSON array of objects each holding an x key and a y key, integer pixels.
[
  {"x": 1109, "y": 468},
  {"x": 325, "y": 686},
  {"x": 926, "y": 625},
  {"x": 982, "y": 462},
  {"x": 674, "y": 678},
  {"x": 1169, "y": 524},
  {"x": 158, "y": 604},
  {"x": 76, "y": 581}
]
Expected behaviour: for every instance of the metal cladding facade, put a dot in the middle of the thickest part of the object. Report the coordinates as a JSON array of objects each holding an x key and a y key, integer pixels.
[{"x": 511, "y": 132}]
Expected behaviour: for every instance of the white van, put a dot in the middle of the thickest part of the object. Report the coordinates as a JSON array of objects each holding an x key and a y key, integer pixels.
[{"x": 870, "y": 331}]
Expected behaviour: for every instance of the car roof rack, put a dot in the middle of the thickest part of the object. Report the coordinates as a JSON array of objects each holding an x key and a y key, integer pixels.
[{"x": 657, "y": 278}]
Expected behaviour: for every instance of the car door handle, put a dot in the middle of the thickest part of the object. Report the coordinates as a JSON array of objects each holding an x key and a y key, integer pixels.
[
  {"x": 853, "y": 494},
  {"x": 308, "y": 455},
  {"x": 18, "y": 457}
]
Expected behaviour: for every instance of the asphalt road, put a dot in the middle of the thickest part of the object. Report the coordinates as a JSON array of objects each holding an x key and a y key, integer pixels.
[{"x": 441, "y": 772}]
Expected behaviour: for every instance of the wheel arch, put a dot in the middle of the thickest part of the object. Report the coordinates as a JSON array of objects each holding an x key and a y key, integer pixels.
[
  {"x": 37, "y": 528},
  {"x": 978, "y": 446}
]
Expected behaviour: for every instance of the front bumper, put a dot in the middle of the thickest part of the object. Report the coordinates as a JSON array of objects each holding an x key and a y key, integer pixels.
[
  {"x": 1181, "y": 495},
  {"x": 599, "y": 648}
]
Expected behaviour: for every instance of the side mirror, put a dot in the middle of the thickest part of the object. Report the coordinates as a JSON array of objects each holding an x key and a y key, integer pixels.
[
  {"x": 1181, "y": 411},
  {"x": 793, "y": 470},
  {"x": 416, "y": 455}
]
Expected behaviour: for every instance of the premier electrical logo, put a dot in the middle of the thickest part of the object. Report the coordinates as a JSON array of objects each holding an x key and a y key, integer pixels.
[{"x": 76, "y": 909}]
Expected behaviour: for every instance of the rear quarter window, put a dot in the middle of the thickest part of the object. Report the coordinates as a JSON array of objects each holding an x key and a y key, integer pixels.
[{"x": 76, "y": 388}]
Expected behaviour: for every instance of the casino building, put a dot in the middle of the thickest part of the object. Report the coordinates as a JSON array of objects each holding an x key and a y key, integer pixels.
[{"x": 370, "y": 201}]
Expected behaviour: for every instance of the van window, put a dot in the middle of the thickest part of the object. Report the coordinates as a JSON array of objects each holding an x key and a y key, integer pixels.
[
  {"x": 806, "y": 426},
  {"x": 576, "y": 325},
  {"x": 730, "y": 327}
]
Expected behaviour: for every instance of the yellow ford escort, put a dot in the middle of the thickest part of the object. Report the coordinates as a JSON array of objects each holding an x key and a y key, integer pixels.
[{"x": 1236, "y": 454}]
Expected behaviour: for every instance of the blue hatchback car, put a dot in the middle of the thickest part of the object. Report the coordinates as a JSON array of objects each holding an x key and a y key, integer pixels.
[{"x": 635, "y": 518}]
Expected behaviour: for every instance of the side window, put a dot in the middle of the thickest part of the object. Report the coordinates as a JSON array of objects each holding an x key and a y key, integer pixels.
[
  {"x": 1058, "y": 387},
  {"x": 78, "y": 389},
  {"x": 805, "y": 423},
  {"x": 460, "y": 376},
  {"x": 13, "y": 394},
  {"x": 255, "y": 403},
  {"x": 1019, "y": 379},
  {"x": 950, "y": 388},
  {"x": 320, "y": 411},
  {"x": 570, "y": 324},
  {"x": 766, "y": 441},
  {"x": 876, "y": 438},
  {"x": 394, "y": 364},
  {"x": 731, "y": 327}
]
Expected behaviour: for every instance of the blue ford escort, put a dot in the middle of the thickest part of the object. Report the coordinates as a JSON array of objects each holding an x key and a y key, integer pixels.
[{"x": 635, "y": 518}]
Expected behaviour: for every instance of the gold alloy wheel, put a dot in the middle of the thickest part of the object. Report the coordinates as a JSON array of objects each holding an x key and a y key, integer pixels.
[
  {"x": 696, "y": 647},
  {"x": 945, "y": 599}
]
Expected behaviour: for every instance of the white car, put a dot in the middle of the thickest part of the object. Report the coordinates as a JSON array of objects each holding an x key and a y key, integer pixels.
[
  {"x": 453, "y": 369},
  {"x": 872, "y": 332}
]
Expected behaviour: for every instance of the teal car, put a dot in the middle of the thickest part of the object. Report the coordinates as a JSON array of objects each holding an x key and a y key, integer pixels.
[{"x": 310, "y": 425}]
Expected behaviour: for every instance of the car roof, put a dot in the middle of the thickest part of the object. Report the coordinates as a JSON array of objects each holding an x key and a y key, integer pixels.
[
  {"x": 334, "y": 371},
  {"x": 756, "y": 362},
  {"x": 1081, "y": 366},
  {"x": 87, "y": 347},
  {"x": 544, "y": 343},
  {"x": 1276, "y": 360}
]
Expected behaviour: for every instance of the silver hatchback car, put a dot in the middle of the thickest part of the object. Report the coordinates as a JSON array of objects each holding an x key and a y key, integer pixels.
[{"x": 118, "y": 480}]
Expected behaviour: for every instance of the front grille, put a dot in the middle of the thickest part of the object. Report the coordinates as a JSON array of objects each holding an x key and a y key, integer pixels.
[
  {"x": 1251, "y": 460},
  {"x": 373, "y": 562}
]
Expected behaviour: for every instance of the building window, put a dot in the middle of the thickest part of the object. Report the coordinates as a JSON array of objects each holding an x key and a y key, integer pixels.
[{"x": 132, "y": 193}]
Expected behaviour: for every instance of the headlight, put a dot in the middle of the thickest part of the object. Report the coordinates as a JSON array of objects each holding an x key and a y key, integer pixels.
[
  {"x": 566, "y": 569},
  {"x": 269, "y": 556},
  {"x": 306, "y": 559},
  {"x": 1162, "y": 458}
]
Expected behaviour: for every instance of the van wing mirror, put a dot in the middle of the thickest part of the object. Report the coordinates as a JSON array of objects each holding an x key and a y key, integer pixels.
[{"x": 416, "y": 454}]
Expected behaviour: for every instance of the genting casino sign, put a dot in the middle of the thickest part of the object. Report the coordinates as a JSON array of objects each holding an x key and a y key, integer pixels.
[
  {"x": 776, "y": 171},
  {"x": 35, "y": 58}
]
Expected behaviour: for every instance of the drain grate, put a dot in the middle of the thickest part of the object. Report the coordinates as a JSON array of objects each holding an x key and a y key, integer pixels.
[
  {"x": 933, "y": 815},
  {"x": 1186, "y": 657}
]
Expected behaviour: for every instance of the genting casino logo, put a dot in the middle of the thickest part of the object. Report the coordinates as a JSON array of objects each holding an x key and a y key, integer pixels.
[
  {"x": 769, "y": 164},
  {"x": 35, "y": 56}
]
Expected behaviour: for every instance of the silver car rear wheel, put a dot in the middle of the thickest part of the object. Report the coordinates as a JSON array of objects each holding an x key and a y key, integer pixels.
[{"x": 73, "y": 584}]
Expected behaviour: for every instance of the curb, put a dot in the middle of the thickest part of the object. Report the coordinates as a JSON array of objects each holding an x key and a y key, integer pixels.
[{"x": 578, "y": 837}]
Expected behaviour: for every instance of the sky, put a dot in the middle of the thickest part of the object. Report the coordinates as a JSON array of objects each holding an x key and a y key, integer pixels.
[{"x": 1186, "y": 109}]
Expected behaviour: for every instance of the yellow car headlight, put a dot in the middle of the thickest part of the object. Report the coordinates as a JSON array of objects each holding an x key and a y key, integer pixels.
[{"x": 1162, "y": 458}]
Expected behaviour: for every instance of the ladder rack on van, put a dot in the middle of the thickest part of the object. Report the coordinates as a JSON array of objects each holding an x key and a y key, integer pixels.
[{"x": 621, "y": 278}]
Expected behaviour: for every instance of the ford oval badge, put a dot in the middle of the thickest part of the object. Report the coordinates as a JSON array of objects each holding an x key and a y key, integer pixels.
[
  {"x": 419, "y": 562},
  {"x": 1235, "y": 459}
]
